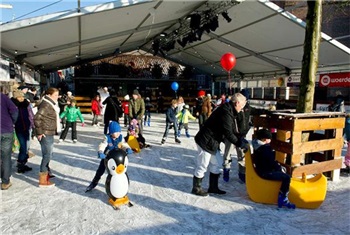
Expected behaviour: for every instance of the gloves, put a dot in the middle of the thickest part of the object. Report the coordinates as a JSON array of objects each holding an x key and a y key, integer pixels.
[
  {"x": 129, "y": 151},
  {"x": 83, "y": 124},
  {"x": 243, "y": 144},
  {"x": 101, "y": 155}
]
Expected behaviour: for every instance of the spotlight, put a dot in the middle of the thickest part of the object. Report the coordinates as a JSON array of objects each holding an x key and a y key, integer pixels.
[
  {"x": 183, "y": 42},
  {"x": 225, "y": 15},
  {"x": 195, "y": 21},
  {"x": 200, "y": 33},
  {"x": 155, "y": 47},
  {"x": 214, "y": 23}
]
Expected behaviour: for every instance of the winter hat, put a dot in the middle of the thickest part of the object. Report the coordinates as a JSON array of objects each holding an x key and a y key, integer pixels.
[
  {"x": 147, "y": 98},
  {"x": 263, "y": 134},
  {"x": 245, "y": 92},
  {"x": 135, "y": 92},
  {"x": 186, "y": 106},
  {"x": 201, "y": 93},
  {"x": 127, "y": 97},
  {"x": 114, "y": 127},
  {"x": 18, "y": 93}
]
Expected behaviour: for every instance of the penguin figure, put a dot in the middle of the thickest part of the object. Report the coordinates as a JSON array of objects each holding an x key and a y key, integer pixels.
[{"x": 117, "y": 183}]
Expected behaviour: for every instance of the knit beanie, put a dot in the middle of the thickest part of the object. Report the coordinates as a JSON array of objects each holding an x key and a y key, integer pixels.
[
  {"x": 114, "y": 127},
  {"x": 263, "y": 134}
]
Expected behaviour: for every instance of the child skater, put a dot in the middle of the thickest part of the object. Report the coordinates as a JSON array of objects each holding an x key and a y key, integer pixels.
[
  {"x": 171, "y": 122},
  {"x": 134, "y": 130},
  {"x": 96, "y": 107},
  {"x": 148, "y": 106},
  {"x": 125, "y": 107},
  {"x": 71, "y": 113},
  {"x": 113, "y": 140},
  {"x": 268, "y": 168},
  {"x": 183, "y": 117}
]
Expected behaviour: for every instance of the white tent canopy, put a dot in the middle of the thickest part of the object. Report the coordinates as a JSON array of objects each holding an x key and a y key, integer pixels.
[{"x": 264, "y": 38}]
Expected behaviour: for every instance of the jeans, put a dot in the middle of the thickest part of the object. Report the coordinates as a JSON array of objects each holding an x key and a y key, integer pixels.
[
  {"x": 167, "y": 127},
  {"x": 147, "y": 116},
  {"x": 227, "y": 154},
  {"x": 23, "y": 138},
  {"x": 279, "y": 176},
  {"x": 5, "y": 157},
  {"x": 73, "y": 125},
  {"x": 95, "y": 120},
  {"x": 46, "y": 144}
]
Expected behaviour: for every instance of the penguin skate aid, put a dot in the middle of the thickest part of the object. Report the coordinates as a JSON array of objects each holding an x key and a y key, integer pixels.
[
  {"x": 112, "y": 140},
  {"x": 117, "y": 182}
]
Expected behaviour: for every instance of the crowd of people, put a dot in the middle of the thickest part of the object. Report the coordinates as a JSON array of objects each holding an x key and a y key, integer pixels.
[{"x": 224, "y": 120}]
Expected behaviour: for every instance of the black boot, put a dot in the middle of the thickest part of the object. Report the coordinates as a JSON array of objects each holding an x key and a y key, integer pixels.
[
  {"x": 22, "y": 168},
  {"x": 213, "y": 184},
  {"x": 197, "y": 187},
  {"x": 92, "y": 185}
]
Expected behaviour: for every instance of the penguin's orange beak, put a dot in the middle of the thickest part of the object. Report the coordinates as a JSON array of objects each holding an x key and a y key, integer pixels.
[{"x": 120, "y": 169}]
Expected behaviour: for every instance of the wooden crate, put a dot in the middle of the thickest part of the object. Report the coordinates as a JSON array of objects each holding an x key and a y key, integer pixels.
[{"x": 320, "y": 153}]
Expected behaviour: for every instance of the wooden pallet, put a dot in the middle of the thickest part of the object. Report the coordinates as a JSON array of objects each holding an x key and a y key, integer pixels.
[{"x": 319, "y": 153}]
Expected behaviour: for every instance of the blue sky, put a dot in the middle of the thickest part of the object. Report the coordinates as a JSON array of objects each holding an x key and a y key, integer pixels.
[{"x": 27, "y": 9}]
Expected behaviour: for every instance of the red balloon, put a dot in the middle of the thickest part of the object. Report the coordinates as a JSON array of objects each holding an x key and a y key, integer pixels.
[{"x": 228, "y": 61}]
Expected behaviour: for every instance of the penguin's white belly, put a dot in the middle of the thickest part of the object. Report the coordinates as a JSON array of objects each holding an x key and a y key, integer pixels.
[{"x": 119, "y": 186}]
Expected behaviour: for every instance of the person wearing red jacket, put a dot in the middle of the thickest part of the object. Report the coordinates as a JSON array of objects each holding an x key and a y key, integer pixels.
[
  {"x": 96, "y": 107},
  {"x": 125, "y": 107}
]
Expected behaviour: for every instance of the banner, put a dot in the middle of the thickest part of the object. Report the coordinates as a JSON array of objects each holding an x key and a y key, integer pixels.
[{"x": 335, "y": 80}]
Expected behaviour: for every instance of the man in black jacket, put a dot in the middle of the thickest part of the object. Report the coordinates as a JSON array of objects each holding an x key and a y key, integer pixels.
[{"x": 222, "y": 124}]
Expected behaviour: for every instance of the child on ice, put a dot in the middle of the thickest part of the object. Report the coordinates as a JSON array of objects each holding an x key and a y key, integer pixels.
[
  {"x": 71, "y": 113},
  {"x": 134, "y": 130},
  {"x": 183, "y": 117},
  {"x": 268, "y": 168},
  {"x": 113, "y": 140}
]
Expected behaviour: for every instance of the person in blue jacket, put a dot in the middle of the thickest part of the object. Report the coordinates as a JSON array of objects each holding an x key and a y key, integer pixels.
[
  {"x": 113, "y": 140},
  {"x": 171, "y": 122}
]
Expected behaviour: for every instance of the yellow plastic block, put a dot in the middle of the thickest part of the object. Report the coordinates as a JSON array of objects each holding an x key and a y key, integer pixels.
[
  {"x": 259, "y": 189},
  {"x": 134, "y": 144},
  {"x": 308, "y": 193}
]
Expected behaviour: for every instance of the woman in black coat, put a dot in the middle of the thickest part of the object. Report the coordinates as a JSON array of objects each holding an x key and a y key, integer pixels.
[{"x": 113, "y": 109}]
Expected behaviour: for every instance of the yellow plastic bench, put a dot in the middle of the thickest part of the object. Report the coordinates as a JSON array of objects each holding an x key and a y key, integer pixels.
[
  {"x": 259, "y": 190},
  {"x": 304, "y": 193}
]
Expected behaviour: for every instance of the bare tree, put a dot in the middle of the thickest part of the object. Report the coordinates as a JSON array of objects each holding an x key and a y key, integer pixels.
[{"x": 310, "y": 57}]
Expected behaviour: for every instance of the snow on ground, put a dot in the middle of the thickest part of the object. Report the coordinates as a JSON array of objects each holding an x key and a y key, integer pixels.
[{"x": 160, "y": 186}]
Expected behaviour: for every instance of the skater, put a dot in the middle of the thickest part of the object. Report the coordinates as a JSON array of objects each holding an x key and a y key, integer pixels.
[
  {"x": 222, "y": 124},
  {"x": 183, "y": 117},
  {"x": 9, "y": 115},
  {"x": 243, "y": 127},
  {"x": 96, "y": 108},
  {"x": 125, "y": 108},
  {"x": 134, "y": 130},
  {"x": 71, "y": 113},
  {"x": 113, "y": 110},
  {"x": 268, "y": 168},
  {"x": 148, "y": 106},
  {"x": 113, "y": 140},
  {"x": 137, "y": 108},
  {"x": 23, "y": 125},
  {"x": 171, "y": 122},
  {"x": 47, "y": 123}
]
